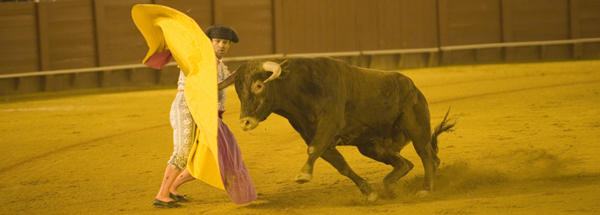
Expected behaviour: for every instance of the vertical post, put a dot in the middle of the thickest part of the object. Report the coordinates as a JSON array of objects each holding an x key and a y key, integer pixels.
[
  {"x": 101, "y": 31},
  {"x": 46, "y": 83},
  {"x": 278, "y": 27},
  {"x": 575, "y": 28},
  {"x": 542, "y": 52},
  {"x": 96, "y": 30},
  {"x": 43, "y": 35},
  {"x": 213, "y": 5},
  {"x": 506, "y": 29},
  {"x": 104, "y": 79},
  {"x": 18, "y": 84},
  {"x": 44, "y": 43},
  {"x": 442, "y": 11},
  {"x": 432, "y": 58},
  {"x": 73, "y": 80}
]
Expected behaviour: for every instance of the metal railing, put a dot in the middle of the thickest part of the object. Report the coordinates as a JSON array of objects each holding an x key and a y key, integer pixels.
[
  {"x": 330, "y": 54},
  {"x": 519, "y": 44},
  {"x": 119, "y": 67}
]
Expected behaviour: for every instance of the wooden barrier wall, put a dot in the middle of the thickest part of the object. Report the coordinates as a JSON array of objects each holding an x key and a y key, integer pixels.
[
  {"x": 506, "y": 21},
  {"x": 384, "y": 34}
]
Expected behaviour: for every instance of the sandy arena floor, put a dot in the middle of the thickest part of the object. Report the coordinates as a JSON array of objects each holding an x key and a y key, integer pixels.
[{"x": 527, "y": 142}]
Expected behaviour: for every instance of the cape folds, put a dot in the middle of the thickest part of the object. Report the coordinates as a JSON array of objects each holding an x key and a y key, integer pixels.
[{"x": 172, "y": 34}]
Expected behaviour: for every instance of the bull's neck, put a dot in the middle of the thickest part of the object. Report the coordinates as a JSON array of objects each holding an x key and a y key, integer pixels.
[{"x": 298, "y": 113}]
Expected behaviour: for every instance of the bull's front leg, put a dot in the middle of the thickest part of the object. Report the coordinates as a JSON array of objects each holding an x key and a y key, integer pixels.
[{"x": 326, "y": 130}]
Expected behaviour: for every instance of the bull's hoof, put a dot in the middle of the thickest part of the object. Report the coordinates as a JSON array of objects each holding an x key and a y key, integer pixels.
[
  {"x": 423, "y": 193},
  {"x": 372, "y": 197},
  {"x": 302, "y": 178}
]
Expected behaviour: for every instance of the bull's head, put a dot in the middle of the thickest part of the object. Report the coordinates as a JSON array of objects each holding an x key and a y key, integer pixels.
[{"x": 254, "y": 83}]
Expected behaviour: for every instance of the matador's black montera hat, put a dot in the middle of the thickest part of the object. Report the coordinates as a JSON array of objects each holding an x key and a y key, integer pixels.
[{"x": 222, "y": 32}]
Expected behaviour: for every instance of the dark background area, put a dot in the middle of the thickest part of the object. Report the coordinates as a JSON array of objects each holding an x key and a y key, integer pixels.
[{"x": 382, "y": 34}]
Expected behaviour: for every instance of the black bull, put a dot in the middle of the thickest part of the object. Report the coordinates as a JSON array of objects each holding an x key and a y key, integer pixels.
[{"x": 329, "y": 103}]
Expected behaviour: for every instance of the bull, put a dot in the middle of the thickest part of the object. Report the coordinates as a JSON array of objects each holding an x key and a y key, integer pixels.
[{"x": 330, "y": 102}]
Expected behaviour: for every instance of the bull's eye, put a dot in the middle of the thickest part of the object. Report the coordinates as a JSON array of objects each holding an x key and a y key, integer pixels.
[{"x": 258, "y": 87}]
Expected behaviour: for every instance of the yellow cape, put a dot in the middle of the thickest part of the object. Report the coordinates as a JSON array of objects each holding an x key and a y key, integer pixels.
[{"x": 164, "y": 27}]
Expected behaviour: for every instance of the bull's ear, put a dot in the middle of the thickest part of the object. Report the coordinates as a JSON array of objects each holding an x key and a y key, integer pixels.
[
  {"x": 284, "y": 73},
  {"x": 284, "y": 64}
]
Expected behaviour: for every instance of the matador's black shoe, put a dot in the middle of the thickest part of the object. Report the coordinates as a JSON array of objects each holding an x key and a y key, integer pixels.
[
  {"x": 160, "y": 204},
  {"x": 178, "y": 198}
]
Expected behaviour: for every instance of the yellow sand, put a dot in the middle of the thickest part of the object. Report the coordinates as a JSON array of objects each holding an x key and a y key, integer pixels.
[{"x": 527, "y": 142}]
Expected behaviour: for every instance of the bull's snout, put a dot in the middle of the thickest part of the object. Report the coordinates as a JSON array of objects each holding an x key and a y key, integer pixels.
[{"x": 248, "y": 123}]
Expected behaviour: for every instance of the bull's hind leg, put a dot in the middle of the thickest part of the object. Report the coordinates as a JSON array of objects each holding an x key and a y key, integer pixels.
[
  {"x": 415, "y": 123},
  {"x": 333, "y": 156},
  {"x": 388, "y": 155},
  {"x": 401, "y": 168}
]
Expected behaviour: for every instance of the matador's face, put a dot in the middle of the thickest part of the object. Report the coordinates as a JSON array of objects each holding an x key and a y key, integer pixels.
[{"x": 221, "y": 46}]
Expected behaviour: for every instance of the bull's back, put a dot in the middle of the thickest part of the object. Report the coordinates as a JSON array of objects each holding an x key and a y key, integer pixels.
[
  {"x": 376, "y": 96},
  {"x": 369, "y": 99}
]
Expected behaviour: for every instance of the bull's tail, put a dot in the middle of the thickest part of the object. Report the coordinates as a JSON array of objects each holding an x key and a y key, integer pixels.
[{"x": 444, "y": 126}]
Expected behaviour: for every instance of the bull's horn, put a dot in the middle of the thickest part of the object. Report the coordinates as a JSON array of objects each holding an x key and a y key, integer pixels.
[{"x": 273, "y": 67}]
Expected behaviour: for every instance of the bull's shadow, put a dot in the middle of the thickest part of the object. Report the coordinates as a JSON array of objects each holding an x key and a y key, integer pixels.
[
  {"x": 311, "y": 196},
  {"x": 332, "y": 193},
  {"x": 457, "y": 180}
]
